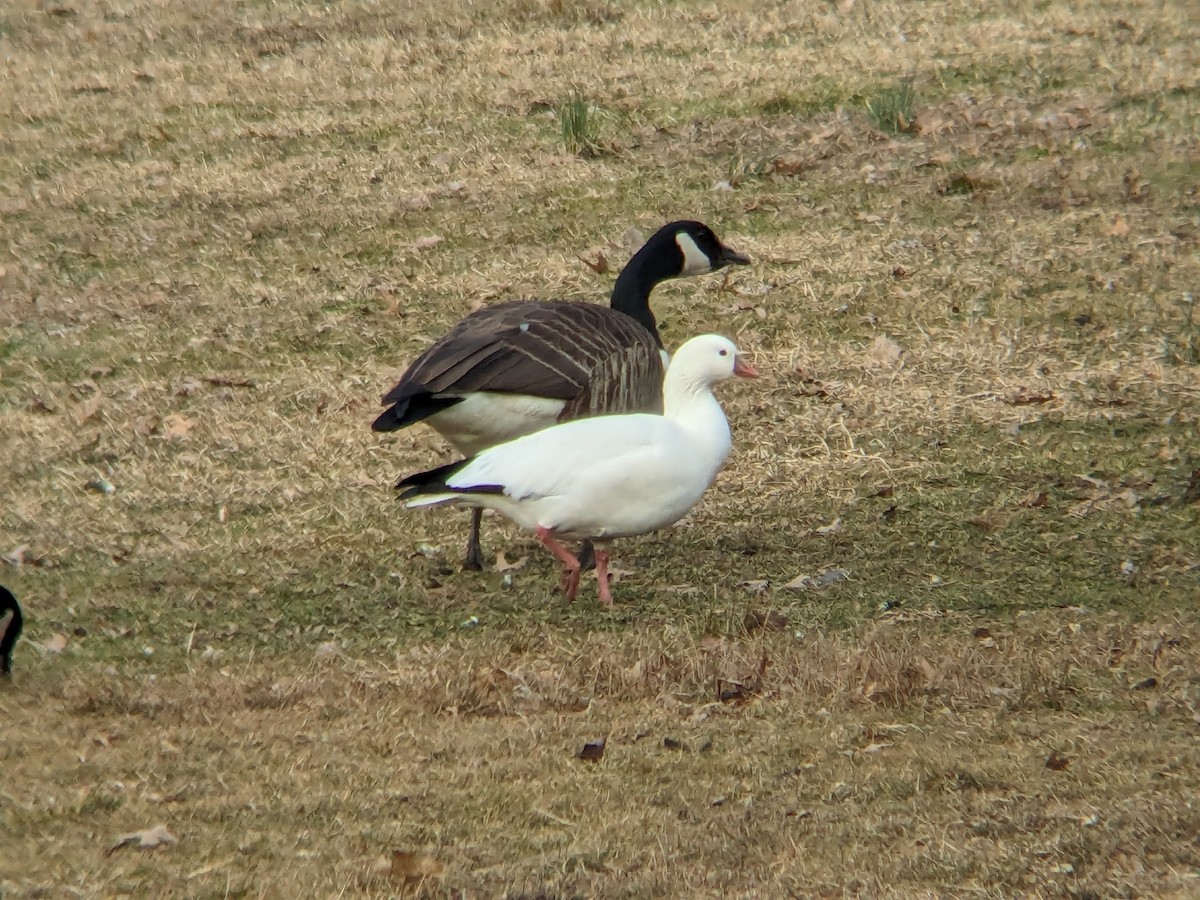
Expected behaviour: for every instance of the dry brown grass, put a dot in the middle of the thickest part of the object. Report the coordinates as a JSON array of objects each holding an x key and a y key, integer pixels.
[{"x": 228, "y": 226}]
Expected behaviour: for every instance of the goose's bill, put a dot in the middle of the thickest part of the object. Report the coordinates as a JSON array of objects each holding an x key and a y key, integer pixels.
[
  {"x": 729, "y": 256},
  {"x": 743, "y": 369}
]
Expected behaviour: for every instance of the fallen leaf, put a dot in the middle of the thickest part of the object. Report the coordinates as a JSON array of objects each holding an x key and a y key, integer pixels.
[
  {"x": 503, "y": 565},
  {"x": 1022, "y": 396},
  {"x": 771, "y": 620},
  {"x": 599, "y": 265},
  {"x": 176, "y": 427},
  {"x": 409, "y": 867},
  {"x": 885, "y": 351},
  {"x": 427, "y": 242},
  {"x": 592, "y": 751},
  {"x": 1057, "y": 761},
  {"x": 989, "y": 521},
  {"x": 188, "y": 387},
  {"x": 1034, "y": 500},
  {"x": 787, "y": 165},
  {"x": 56, "y": 643},
  {"x": 63, "y": 10},
  {"x": 88, "y": 408},
  {"x": 616, "y": 576},
  {"x": 832, "y": 528},
  {"x": 230, "y": 381},
  {"x": 1119, "y": 227},
  {"x": 809, "y": 582},
  {"x": 740, "y": 691},
  {"x": 158, "y": 836}
]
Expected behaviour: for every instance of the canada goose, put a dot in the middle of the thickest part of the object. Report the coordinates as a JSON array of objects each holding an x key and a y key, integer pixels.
[
  {"x": 515, "y": 368},
  {"x": 603, "y": 477},
  {"x": 11, "y": 622}
]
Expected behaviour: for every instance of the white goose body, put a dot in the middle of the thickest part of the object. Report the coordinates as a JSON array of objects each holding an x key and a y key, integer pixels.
[
  {"x": 608, "y": 476},
  {"x": 599, "y": 478}
]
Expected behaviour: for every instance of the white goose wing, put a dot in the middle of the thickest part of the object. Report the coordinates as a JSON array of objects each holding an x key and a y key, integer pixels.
[{"x": 555, "y": 462}]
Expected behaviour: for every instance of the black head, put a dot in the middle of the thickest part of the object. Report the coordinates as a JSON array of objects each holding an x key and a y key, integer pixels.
[
  {"x": 698, "y": 249},
  {"x": 11, "y": 622},
  {"x": 677, "y": 250}
]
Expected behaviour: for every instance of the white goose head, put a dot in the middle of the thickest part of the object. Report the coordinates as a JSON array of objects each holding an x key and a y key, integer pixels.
[{"x": 707, "y": 359}]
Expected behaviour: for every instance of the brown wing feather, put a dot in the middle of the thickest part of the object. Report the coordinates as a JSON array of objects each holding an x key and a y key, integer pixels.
[{"x": 595, "y": 358}]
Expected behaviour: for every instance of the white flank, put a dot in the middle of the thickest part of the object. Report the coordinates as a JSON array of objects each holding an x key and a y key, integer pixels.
[{"x": 485, "y": 419}]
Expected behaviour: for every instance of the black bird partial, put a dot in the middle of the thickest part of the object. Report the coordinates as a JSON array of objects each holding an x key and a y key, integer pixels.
[{"x": 11, "y": 623}]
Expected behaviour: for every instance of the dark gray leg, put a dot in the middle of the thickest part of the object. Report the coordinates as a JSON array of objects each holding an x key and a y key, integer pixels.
[
  {"x": 474, "y": 558},
  {"x": 587, "y": 556}
]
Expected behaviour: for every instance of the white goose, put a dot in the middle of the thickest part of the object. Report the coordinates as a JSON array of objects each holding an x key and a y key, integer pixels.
[{"x": 603, "y": 477}]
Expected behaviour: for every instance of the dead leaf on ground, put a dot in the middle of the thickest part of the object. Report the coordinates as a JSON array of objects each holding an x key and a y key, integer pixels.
[
  {"x": 1119, "y": 227},
  {"x": 811, "y": 582},
  {"x": 88, "y": 408},
  {"x": 832, "y": 528},
  {"x": 592, "y": 751},
  {"x": 188, "y": 387},
  {"x": 616, "y": 576},
  {"x": 56, "y": 643},
  {"x": 503, "y": 565},
  {"x": 230, "y": 381},
  {"x": 990, "y": 521},
  {"x": 1034, "y": 500},
  {"x": 1023, "y": 396},
  {"x": 175, "y": 427},
  {"x": 730, "y": 691},
  {"x": 158, "y": 836},
  {"x": 771, "y": 620},
  {"x": 410, "y": 867},
  {"x": 1057, "y": 761},
  {"x": 787, "y": 165},
  {"x": 599, "y": 265},
  {"x": 427, "y": 242},
  {"x": 885, "y": 351}
]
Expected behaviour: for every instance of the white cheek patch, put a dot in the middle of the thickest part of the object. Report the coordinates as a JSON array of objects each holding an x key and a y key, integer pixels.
[{"x": 695, "y": 260}]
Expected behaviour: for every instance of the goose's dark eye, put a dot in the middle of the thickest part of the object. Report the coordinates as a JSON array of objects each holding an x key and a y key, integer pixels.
[{"x": 723, "y": 352}]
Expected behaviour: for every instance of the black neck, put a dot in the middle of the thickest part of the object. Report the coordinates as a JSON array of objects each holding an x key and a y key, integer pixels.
[
  {"x": 631, "y": 293},
  {"x": 11, "y": 630}
]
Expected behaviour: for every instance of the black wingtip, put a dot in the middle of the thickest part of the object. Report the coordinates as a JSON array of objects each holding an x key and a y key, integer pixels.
[
  {"x": 431, "y": 481},
  {"x": 391, "y": 419},
  {"x": 408, "y": 409}
]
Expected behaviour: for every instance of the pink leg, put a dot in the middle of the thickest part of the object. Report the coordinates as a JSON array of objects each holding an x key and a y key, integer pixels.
[
  {"x": 570, "y": 579},
  {"x": 602, "y": 576}
]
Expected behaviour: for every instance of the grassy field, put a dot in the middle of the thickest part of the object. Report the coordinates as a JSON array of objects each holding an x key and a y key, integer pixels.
[{"x": 227, "y": 227}]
